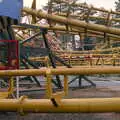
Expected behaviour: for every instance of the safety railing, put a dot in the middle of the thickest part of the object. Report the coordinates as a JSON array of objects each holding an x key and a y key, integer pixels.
[
  {"x": 85, "y": 59},
  {"x": 54, "y": 103}
]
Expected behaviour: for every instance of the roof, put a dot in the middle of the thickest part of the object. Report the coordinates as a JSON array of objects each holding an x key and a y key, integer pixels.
[{"x": 11, "y": 8}]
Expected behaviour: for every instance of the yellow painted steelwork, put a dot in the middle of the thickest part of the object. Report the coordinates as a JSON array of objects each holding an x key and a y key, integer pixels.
[
  {"x": 98, "y": 51},
  {"x": 93, "y": 105},
  {"x": 87, "y": 105},
  {"x": 63, "y": 71},
  {"x": 58, "y": 95},
  {"x": 72, "y": 22},
  {"x": 5, "y": 94},
  {"x": 44, "y": 60},
  {"x": 84, "y": 59},
  {"x": 72, "y": 30}
]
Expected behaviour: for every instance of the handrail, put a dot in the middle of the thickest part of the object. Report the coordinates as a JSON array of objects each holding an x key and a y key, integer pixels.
[{"x": 63, "y": 71}]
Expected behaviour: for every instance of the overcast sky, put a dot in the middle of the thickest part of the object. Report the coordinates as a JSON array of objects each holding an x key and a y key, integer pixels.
[{"x": 107, "y": 4}]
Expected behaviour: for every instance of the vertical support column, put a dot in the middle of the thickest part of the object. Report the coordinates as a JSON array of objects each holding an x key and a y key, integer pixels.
[
  {"x": 17, "y": 87},
  {"x": 73, "y": 41},
  {"x": 107, "y": 23},
  {"x": 81, "y": 41},
  {"x": 66, "y": 85},
  {"x": 11, "y": 86},
  {"x": 80, "y": 81},
  {"x": 87, "y": 21},
  {"x": 49, "y": 84}
]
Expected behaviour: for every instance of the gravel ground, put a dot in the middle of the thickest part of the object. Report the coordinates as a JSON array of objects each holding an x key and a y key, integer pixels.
[{"x": 66, "y": 116}]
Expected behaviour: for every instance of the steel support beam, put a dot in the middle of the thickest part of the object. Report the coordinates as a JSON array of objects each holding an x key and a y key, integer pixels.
[
  {"x": 73, "y": 22},
  {"x": 51, "y": 57},
  {"x": 87, "y": 105},
  {"x": 72, "y": 30},
  {"x": 62, "y": 71}
]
